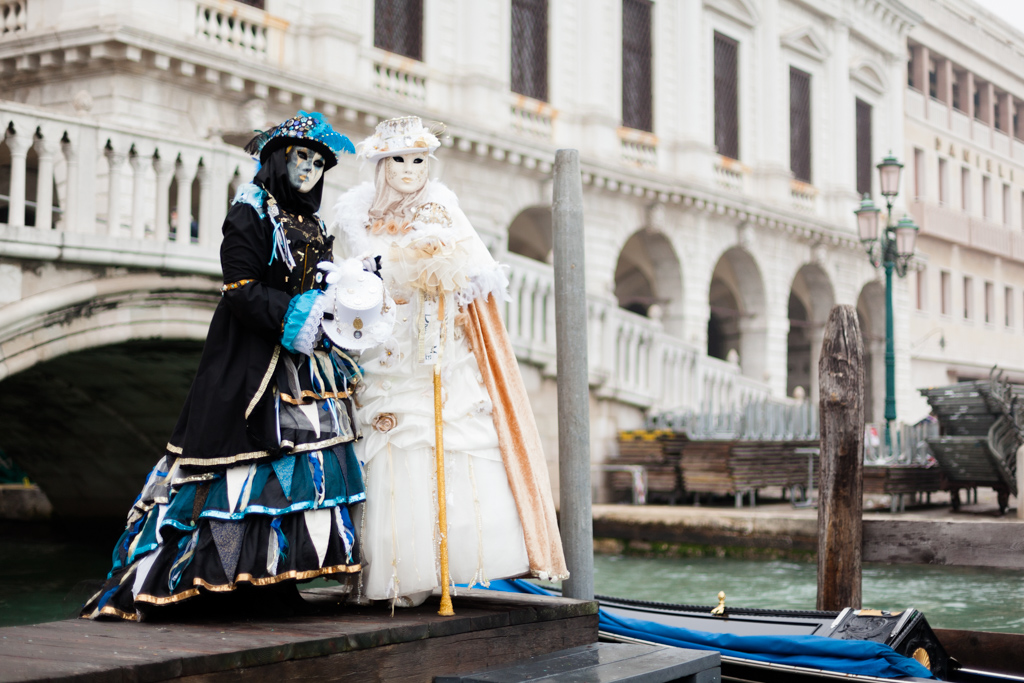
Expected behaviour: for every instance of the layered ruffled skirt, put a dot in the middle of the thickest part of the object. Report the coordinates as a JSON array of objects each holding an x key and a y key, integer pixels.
[{"x": 259, "y": 524}]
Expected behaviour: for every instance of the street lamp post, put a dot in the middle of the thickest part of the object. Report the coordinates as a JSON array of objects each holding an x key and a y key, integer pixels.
[{"x": 892, "y": 249}]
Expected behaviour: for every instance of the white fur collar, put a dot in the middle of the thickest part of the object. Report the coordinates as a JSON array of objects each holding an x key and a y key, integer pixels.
[{"x": 352, "y": 208}]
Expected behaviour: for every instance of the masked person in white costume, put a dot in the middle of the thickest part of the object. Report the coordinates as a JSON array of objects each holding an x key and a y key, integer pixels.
[{"x": 447, "y": 287}]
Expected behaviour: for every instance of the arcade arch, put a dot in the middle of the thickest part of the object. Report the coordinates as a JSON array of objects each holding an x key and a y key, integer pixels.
[
  {"x": 811, "y": 297},
  {"x": 648, "y": 279},
  {"x": 737, "y": 319},
  {"x": 529, "y": 234}
]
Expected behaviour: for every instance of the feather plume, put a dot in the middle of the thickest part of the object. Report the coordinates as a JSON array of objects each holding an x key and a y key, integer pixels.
[{"x": 255, "y": 145}]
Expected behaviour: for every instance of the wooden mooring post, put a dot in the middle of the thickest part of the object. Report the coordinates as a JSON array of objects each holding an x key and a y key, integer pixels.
[
  {"x": 841, "y": 483},
  {"x": 576, "y": 518}
]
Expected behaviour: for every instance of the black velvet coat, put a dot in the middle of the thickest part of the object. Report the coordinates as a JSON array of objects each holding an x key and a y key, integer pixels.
[{"x": 229, "y": 415}]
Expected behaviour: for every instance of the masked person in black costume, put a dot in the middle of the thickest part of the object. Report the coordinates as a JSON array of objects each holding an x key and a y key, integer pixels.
[{"x": 258, "y": 477}]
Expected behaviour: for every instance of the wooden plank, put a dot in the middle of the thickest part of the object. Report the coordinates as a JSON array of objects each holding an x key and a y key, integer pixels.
[
  {"x": 80, "y": 650},
  {"x": 420, "y": 660},
  {"x": 999, "y": 652},
  {"x": 633, "y": 662},
  {"x": 968, "y": 544}
]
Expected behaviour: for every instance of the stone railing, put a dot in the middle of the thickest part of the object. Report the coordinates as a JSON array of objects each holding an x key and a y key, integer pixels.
[
  {"x": 756, "y": 419},
  {"x": 729, "y": 174},
  {"x": 532, "y": 118},
  {"x": 803, "y": 195},
  {"x": 113, "y": 196},
  {"x": 638, "y": 148},
  {"x": 241, "y": 30},
  {"x": 13, "y": 15},
  {"x": 400, "y": 83},
  {"x": 631, "y": 358}
]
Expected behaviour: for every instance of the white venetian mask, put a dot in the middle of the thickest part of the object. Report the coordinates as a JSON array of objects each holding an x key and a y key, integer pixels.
[
  {"x": 304, "y": 168},
  {"x": 406, "y": 173}
]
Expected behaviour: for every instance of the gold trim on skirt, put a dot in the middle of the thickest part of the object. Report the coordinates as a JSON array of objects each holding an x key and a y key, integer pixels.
[{"x": 247, "y": 578}]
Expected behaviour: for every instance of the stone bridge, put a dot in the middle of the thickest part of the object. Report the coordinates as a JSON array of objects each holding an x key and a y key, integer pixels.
[{"x": 109, "y": 274}]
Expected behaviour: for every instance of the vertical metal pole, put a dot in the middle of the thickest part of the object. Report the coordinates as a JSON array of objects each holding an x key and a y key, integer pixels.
[
  {"x": 576, "y": 519},
  {"x": 890, "y": 354}
]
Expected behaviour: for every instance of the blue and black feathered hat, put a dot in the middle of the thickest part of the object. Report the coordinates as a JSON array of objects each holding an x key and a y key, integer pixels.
[{"x": 309, "y": 130}]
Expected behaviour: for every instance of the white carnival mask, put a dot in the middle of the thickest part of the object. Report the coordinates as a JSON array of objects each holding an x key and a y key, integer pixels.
[
  {"x": 406, "y": 173},
  {"x": 305, "y": 167}
]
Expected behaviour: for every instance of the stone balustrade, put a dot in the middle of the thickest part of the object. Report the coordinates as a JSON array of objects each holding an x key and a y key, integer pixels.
[
  {"x": 400, "y": 81},
  {"x": 109, "y": 195},
  {"x": 804, "y": 196},
  {"x": 240, "y": 30},
  {"x": 638, "y": 148},
  {"x": 730, "y": 174},
  {"x": 631, "y": 358},
  {"x": 13, "y": 16},
  {"x": 113, "y": 194},
  {"x": 532, "y": 118}
]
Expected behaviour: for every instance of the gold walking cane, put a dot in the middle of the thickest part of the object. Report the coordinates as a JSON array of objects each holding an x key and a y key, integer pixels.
[{"x": 442, "y": 515}]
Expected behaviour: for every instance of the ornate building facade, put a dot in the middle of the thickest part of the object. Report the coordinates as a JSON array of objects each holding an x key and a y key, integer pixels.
[
  {"x": 965, "y": 152},
  {"x": 724, "y": 145}
]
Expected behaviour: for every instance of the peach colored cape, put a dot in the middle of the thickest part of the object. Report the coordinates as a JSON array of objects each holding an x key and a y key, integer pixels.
[{"x": 518, "y": 439}]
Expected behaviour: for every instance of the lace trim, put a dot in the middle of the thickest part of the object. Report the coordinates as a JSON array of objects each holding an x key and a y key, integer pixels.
[
  {"x": 310, "y": 333},
  {"x": 493, "y": 281}
]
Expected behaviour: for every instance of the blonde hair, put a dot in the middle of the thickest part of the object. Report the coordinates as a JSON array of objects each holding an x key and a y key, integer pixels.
[{"x": 389, "y": 203}]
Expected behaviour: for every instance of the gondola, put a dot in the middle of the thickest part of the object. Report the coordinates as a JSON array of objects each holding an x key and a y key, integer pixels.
[{"x": 906, "y": 631}]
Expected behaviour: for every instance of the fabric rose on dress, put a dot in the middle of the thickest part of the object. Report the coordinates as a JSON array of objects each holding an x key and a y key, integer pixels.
[
  {"x": 429, "y": 260},
  {"x": 390, "y": 353},
  {"x": 384, "y": 422}
]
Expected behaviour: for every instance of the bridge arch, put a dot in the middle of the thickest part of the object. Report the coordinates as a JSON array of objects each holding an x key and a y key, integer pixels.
[
  {"x": 102, "y": 312},
  {"x": 92, "y": 378}
]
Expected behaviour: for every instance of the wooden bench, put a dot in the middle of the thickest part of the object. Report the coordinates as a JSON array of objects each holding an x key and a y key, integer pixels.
[
  {"x": 657, "y": 453},
  {"x": 968, "y": 462},
  {"x": 981, "y": 435},
  {"x": 741, "y": 467},
  {"x": 899, "y": 481}
]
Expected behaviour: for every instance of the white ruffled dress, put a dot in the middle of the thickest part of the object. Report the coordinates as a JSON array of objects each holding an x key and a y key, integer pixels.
[{"x": 400, "y": 539}]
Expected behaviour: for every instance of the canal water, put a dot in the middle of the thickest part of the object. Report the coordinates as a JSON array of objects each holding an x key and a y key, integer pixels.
[
  {"x": 950, "y": 597},
  {"x": 46, "y": 573}
]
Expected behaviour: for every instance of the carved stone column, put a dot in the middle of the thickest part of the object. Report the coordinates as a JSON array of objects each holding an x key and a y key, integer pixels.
[
  {"x": 206, "y": 199},
  {"x": 115, "y": 162},
  {"x": 69, "y": 217},
  {"x": 139, "y": 164},
  {"x": 18, "y": 144},
  {"x": 164, "y": 169},
  {"x": 184, "y": 173},
  {"x": 45, "y": 149}
]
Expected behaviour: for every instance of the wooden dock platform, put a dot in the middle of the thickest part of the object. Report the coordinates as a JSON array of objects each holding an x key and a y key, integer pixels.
[{"x": 339, "y": 643}]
